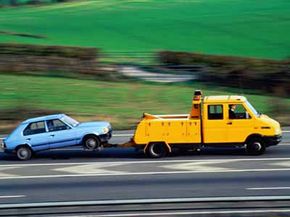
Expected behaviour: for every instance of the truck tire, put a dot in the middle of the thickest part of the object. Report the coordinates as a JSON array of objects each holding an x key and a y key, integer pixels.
[
  {"x": 24, "y": 152},
  {"x": 91, "y": 142},
  {"x": 255, "y": 146},
  {"x": 156, "y": 150}
]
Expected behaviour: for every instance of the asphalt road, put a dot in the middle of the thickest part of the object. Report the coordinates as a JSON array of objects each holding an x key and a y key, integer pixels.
[{"x": 76, "y": 175}]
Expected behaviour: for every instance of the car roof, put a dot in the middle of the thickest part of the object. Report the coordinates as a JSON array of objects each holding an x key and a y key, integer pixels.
[
  {"x": 43, "y": 118},
  {"x": 224, "y": 99}
]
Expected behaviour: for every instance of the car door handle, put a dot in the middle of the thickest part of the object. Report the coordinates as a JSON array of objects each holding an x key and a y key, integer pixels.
[
  {"x": 28, "y": 139},
  {"x": 52, "y": 135},
  {"x": 229, "y": 123}
]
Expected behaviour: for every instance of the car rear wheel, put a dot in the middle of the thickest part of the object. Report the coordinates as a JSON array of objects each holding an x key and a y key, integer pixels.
[
  {"x": 91, "y": 143},
  {"x": 23, "y": 153}
]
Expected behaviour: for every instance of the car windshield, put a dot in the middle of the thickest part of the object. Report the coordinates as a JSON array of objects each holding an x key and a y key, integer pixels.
[
  {"x": 255, "y": 112},
  {"x": 70, "y": 121}
]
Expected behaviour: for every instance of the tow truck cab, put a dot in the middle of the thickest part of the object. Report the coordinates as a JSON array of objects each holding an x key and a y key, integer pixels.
[{"x": 211, "y": 122}]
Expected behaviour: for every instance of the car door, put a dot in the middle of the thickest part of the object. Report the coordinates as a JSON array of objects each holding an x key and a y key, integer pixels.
[
  {"x": 61, "y": 135},
  {"x": 35, "y": 134}
]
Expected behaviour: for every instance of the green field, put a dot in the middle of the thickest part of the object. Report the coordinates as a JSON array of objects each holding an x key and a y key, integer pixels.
[
  {"x": 118, "y": 102},
  {"x": 258, "y": 28}
]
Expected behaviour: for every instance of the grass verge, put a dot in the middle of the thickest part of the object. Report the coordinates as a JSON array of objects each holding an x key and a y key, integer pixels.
[{"x": 121, "y": 103}]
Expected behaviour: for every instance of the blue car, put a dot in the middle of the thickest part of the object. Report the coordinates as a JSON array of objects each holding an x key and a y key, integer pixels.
[{"x": 55, "y": 131}]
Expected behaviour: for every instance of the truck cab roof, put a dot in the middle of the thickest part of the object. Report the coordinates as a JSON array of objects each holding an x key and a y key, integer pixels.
[{"x": 224, "y": 99}]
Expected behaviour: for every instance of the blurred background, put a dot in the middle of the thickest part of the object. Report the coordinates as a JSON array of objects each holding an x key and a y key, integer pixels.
[{"x": 113, "y": 60}]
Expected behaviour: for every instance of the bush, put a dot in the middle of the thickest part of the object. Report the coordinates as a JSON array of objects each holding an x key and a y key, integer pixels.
[
  {"x": 58, "y": 51},
  {"x": 270, "y": 75}
]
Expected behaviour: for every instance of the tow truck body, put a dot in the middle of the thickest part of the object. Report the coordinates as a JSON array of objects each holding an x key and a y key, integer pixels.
[{"x": 208, "y": 124}]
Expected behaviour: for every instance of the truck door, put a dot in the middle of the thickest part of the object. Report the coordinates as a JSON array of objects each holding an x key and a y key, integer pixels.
[
  {"x": 214, "y": 123},
  {"x": 239, "y": 123}
]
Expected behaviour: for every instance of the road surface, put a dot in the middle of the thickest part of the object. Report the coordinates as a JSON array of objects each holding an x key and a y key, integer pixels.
[{"x": 76, "y": 175}]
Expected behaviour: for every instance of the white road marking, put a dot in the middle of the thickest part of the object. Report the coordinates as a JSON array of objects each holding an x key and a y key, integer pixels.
[
  {"x": 90, "y": 169},
  {"x": 250, "y": 211},
  {"x": 7, "y": 174},
  {"x": 11, "y": 196},
  {"x": 148, "y": 162},
  {"x": 146, "y": 201},
  {"x": 268, "y": 188},
  {"x": 196, "y": 166},
  {"x": 141, "y": 173},
  {"x": 282, "y": 163}
]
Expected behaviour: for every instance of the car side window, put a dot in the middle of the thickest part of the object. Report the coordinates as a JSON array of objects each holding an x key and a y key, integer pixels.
[
  {"x": 215, "y": 112},
  {"x": 34, "y": 128},
  {"x": 56, "y": 125}
]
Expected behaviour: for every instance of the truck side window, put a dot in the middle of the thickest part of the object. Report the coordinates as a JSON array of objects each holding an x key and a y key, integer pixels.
[
  {"x": 239, "y": 112},
  {"x": 215, "y": 112}
]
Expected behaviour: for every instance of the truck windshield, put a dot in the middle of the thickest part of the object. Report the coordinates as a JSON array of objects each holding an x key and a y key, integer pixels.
[
  {"x": 70, "y": 121},
  {"x": 249, "y": 105}
]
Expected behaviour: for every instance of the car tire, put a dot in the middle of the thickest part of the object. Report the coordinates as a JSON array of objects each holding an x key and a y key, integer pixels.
[
  {"x": 255, "y": 146},
  {"x": 91, "y": 143},
  {"x": 156, "y": 150},
  {"x": 24, "y": 153}
]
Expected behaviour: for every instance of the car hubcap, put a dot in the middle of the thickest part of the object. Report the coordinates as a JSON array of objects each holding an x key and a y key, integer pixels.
[
  {"x": 23, "y": 153},
  {"x": 91, "y": 143}
]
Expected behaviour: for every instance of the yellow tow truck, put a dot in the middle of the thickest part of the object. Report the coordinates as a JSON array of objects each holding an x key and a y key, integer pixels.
[{"x": 216, "y": 121}]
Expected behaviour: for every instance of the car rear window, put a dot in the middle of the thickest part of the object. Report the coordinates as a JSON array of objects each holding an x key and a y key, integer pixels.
[{"x": 34, "y": 128}]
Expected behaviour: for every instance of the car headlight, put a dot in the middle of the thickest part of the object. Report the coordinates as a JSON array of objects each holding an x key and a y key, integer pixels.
[{"x": 106, "y": 130}]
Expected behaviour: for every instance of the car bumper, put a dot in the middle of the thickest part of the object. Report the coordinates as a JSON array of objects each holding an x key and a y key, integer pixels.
[
  {"x": 106, "y": 137},
  {"x": 4, "y": 149},
  {"x": 272, "y": 140},
  {"x": 2, "y": 146}
]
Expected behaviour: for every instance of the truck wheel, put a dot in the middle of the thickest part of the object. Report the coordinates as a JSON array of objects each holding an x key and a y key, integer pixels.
[
  {"x": 91, "y": 143},
  {"x": 23, "y": 153},
  {"x": 255, "y": 146},
  {"x": 156, "y": 150}
]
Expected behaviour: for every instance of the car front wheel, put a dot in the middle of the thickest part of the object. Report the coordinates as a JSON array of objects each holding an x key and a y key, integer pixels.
[{"x": 91, "y": 143}]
